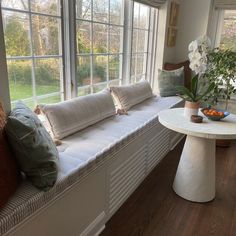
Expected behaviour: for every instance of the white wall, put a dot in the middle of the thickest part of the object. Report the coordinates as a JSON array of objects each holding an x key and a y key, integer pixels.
[{"x": 192, "y": 22}]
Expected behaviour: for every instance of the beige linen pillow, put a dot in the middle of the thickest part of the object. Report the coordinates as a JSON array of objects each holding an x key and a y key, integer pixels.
[
  {"x": 73, "y": 115},
  {"x": 129, "y": 95}
]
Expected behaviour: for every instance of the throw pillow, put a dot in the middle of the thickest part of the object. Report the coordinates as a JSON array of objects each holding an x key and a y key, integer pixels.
[
  {"x": 9, "y": 172},
  {"x": 34, "y": 149},
  {"x": 70, "y": 116},
  {"x": 168, "y": 80},
  {"x": 129, "y": 95},
  {"x": 187, "y": 71}
]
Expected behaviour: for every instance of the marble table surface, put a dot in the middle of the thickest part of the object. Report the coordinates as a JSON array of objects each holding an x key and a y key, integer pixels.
[{"x": 174, "y": 119}]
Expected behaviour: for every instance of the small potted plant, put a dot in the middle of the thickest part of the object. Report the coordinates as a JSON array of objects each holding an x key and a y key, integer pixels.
[{"x": 198, "y": 92}]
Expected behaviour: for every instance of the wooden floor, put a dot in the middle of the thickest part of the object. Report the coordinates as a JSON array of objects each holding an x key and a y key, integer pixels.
[{"x": 155, "y": 210}]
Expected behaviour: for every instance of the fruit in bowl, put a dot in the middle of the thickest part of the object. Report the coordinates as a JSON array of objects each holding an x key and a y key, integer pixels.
[{"x": 214, "y": 114}]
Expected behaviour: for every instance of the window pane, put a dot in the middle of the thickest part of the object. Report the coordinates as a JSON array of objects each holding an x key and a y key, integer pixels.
[
  {"x": 46, "y": 6},
  {"x": 114, "y": 82},
  {"x": 115, "y": 39},
  {"x": 228, "y": 37},
  {"x": 20, "y": 79},
  {"x": 46, "y": 35},
  {"x": 48, "y": 100},
  {"x": 138, "y": 65},
  {"x": 136, "y": 15},
  {"x": 99, "y": 87},
  {"x": 99, "y": 69},
  {"x": 99, "y": 38},
  {"x": 83, "y": 71},
  {"x": 144, "y": 17},
  {"x": 47, "y": 76},
  {"x": 100, "y": 10},
  {"x": 114, "y": 67},
  {"x": 142, "y": 41},
  {"x": 84, "y": 91},
  {"x": 116, "y": 9},
  {"x": 16, "y": 4},
  {"x": 83, "y": 37},
  {"x": 83, "y": 9},
  {"x": 16, "y": 32}
]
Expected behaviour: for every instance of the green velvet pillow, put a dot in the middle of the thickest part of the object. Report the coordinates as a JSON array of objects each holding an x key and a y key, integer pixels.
[
  {"x": 168, "y": 80},
  {"x": 34, "y": 149}
]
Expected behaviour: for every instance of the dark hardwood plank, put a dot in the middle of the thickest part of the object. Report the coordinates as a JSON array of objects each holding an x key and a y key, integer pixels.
[{"x": 155, "y": 210}]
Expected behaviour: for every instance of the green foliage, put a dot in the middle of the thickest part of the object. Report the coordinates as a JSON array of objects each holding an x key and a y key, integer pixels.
[
  {"x": 21, "y": 72},
  {"x": 222, "y": 71},
  {"x": 193, "y": 94},
  {"x": 16, "y": 39},
  {"x": 84, "y": 72}
]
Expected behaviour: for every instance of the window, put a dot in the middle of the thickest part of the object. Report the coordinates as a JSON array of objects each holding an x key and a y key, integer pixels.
[
  {"x": 32, "y": 31},
  {"x": 140, "y": 36},
  {"x": 228, "y": 33},
  {"x": 99, "y": 29},
  {"x": 107, "y": 51}
]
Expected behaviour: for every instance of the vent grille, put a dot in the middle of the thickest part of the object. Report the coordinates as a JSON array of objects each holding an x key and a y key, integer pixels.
[
  {"x": 125, "y": 178},
  {"x": 158, "y": 147}
]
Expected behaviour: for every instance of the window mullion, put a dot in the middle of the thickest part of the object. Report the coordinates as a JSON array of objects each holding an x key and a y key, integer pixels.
[
  {"x": 69, "y": 38},
  {"x": 32, "y": 54},
  {"x": 127, "y": 43}
]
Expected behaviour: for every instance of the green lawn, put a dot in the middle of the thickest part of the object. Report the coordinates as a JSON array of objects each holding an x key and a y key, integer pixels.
[{"x": 21, "y": 91}]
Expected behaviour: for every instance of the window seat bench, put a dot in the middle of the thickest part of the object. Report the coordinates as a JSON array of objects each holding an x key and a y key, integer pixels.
[{"x": 99, "y": 168}]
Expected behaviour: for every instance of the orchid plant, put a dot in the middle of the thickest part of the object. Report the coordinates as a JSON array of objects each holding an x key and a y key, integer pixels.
[{"x": 198, "y": 56}]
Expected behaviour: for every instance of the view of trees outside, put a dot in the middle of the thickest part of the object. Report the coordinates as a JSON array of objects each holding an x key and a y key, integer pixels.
[
  {"x": 32, "y": 31},
  {"x": 139, "y": 41},
  {"x": 33, "y": 39},
  {"x": 99, "y": 30},
  {"x": 228, "y": 37}
]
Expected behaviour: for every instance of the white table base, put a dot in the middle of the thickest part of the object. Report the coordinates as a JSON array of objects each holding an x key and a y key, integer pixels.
[{"x": 195, "y": 176}]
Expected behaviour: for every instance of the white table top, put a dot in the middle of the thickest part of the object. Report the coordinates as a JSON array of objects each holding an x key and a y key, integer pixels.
[{"x": 174, "y": 119}]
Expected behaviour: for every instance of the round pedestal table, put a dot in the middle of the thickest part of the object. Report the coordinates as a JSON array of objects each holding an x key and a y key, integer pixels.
[{"x": 195, "y": 176}]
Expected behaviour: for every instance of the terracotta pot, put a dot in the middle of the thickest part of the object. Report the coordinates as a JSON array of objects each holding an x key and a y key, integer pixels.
[{"x": 191, "y": 108}]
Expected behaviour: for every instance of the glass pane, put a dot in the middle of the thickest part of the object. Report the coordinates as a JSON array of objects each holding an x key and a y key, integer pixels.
[
  {"x": 115, "y": 39},
  {"x": 114, "y": 67},
  {"x": 99, "y": 69},
  {"x": 83, "y": 9},
  {"x": 144, "y": 17},
  {"x": 100, "y": 10},
  {"x": 137, "y": 64},
  {"x": 142, "y": 41},
  {"x": 49, "y": 100},
  {"x": 99, "y": 87},
  {"x": 136, "y": 14},
  {"x": 16, "y": 4},
  {"x": 47, "y": 76},
  {"x": 228, "y": 37},
  {"x": 116, "y": 9},
  {"x": 20, "y": 79},
  {"x": 114, "y": 82},
  {"x": 51, "y": 7},
  {"x": 83, "y": 71},
  {"x": 140, "y": 69},
  {"x": 46, "y": 36},
  {"x": 83, "y": 37},
  {"x": 99, "y": 38},
  {"x": 84, "y": 91},
  {"x": 135, "y": 40},
  {"x": 16, "y": 33}
]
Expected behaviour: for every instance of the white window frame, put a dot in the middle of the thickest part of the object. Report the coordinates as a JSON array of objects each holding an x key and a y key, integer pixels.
[{"x": 34, "y": 57}]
